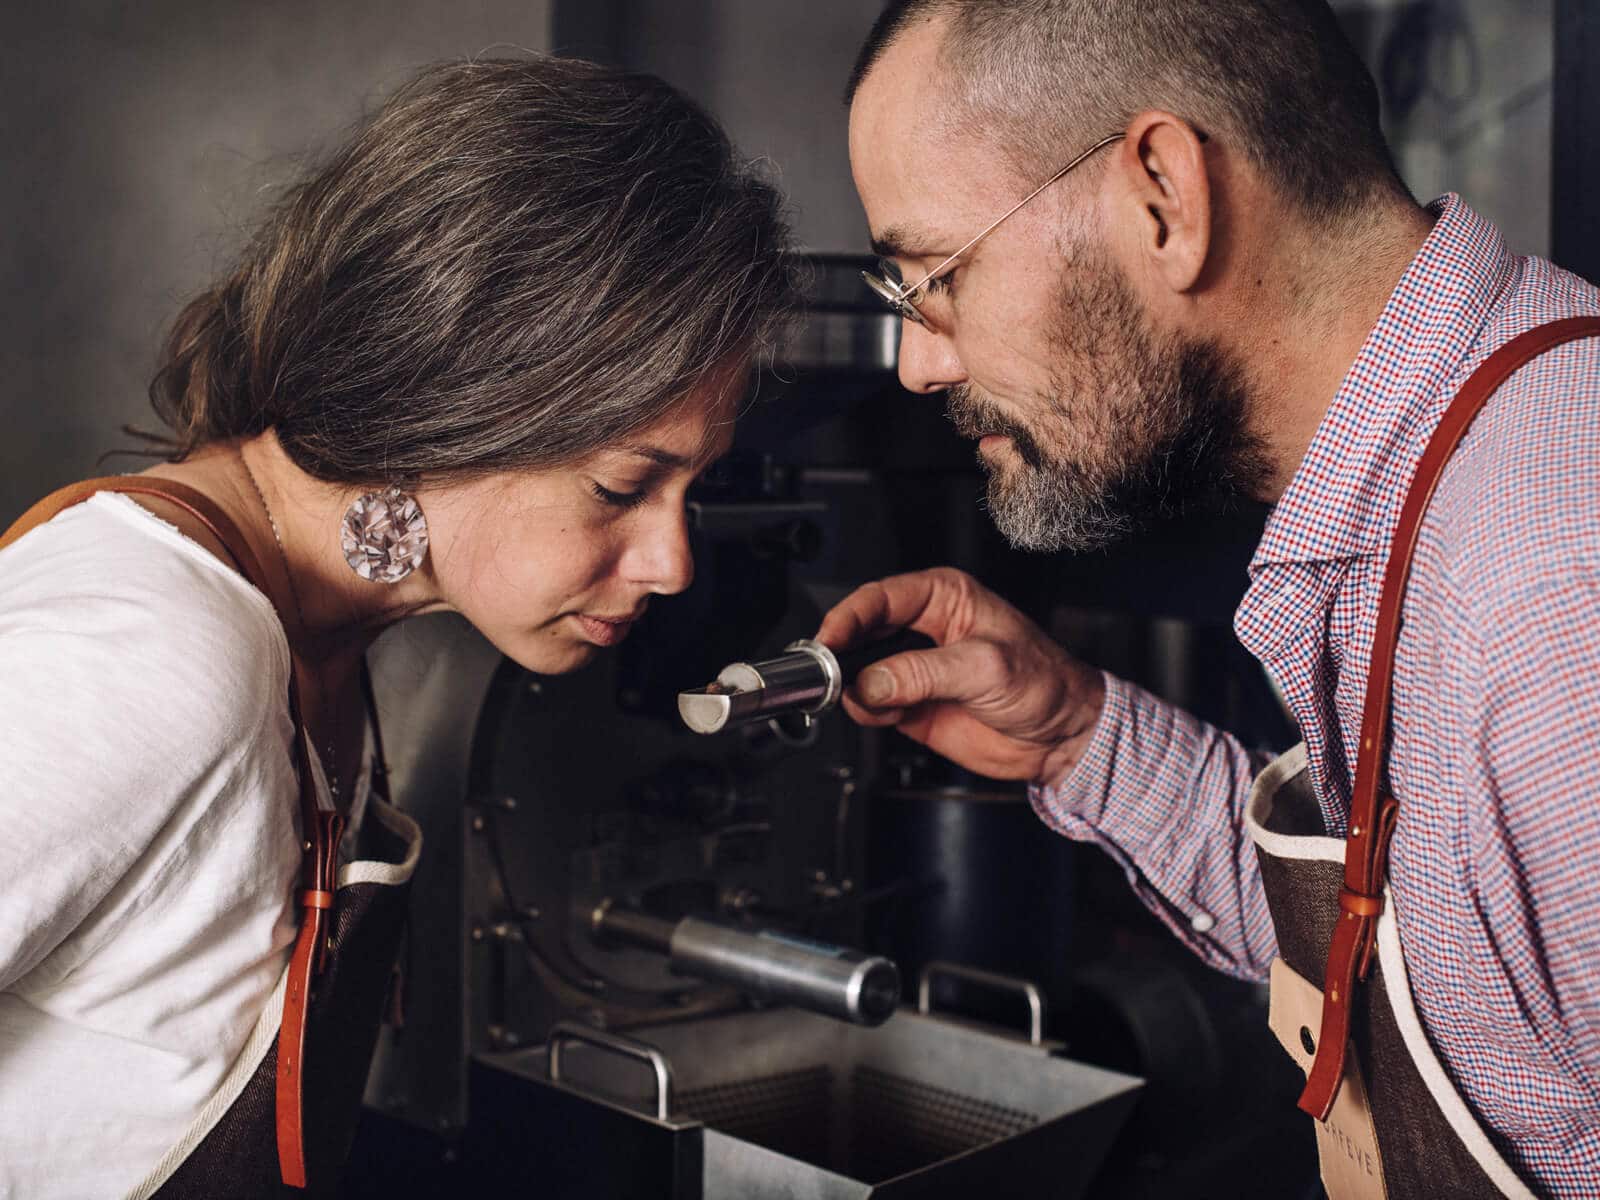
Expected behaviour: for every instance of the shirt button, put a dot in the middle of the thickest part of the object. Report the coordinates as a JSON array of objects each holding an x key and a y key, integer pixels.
[{"x": 1202, "y": 922}]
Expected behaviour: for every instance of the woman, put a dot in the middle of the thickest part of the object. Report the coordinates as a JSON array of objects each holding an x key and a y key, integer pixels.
[{"x": 473, "y": 363}]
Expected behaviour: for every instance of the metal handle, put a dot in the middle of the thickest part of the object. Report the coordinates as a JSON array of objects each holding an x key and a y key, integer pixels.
[
  {"x": 1004, "y": 983},
  {"x": 568, "y": 1031}
]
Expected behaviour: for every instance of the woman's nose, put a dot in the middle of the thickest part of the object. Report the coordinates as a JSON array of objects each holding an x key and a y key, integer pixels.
[{"x": 659, "y": 556}]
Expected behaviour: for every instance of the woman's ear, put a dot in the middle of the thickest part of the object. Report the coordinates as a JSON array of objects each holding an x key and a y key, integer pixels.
[{"x": 1163, "y": 161}]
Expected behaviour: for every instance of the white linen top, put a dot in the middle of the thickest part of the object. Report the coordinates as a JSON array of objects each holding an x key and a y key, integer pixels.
[{"x": 148, "y": 841}]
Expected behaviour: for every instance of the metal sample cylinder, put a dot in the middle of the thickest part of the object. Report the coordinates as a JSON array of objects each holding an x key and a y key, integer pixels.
[
  {"x": 807, "y": 678},
  {"x": 838, "y": 982}
]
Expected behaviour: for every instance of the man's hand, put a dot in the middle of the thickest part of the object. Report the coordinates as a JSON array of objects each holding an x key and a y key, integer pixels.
[{"x": 996, "y": 696}]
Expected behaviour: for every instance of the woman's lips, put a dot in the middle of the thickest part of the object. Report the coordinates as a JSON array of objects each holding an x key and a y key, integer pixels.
[{"x": 603, "y": 631}]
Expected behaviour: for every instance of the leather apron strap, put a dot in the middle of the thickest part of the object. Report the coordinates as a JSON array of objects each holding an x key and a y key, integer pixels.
[
  {"x": 321, "y": 829},
  {"x": 1372, "y": 809}
]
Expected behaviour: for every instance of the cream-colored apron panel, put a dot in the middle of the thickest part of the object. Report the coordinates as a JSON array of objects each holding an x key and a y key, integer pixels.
[{"x": 1347, "y": 1142}]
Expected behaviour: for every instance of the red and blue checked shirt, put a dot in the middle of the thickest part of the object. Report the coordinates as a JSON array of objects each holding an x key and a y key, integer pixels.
[{"x": 1496, "y": 752}]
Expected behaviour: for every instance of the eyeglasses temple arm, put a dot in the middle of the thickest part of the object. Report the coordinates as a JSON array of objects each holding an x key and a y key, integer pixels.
[{"x": 921, "y": 283}]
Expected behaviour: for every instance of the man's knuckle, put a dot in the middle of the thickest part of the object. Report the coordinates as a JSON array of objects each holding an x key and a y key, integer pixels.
[
  {"x": 916, "y": 677},
  {"x": 991, "y": 661}
]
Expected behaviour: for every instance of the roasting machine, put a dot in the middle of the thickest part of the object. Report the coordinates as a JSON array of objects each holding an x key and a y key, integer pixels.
[{"x": 638, "y": 961}]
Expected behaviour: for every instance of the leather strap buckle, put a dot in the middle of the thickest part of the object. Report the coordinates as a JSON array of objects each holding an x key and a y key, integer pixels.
[{"x": 1359, "y": 904}]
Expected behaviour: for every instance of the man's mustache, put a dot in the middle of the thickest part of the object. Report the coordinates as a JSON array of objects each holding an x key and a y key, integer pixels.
[{"x": 976, "y": 418}]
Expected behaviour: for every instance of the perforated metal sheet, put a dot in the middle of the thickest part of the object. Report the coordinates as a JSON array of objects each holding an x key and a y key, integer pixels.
[
  {"x": 883, "y": 1125},
  {"x": 898, "y": 1125},
  {"x": 788, "y": 1112}
]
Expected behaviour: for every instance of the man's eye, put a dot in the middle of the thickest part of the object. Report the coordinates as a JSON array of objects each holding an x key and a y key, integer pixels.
[
  {"x": 943, "y": 283},
  {"x": 619, "y": 499}
]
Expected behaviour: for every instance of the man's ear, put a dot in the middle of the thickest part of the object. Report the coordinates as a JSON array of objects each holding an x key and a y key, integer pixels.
[{"x": 1163, "y": 161}]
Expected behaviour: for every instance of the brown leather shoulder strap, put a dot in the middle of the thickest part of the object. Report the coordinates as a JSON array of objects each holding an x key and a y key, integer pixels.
[
  {"x": 197, "y": 504},
  {"x": 1372, "y": 810},
  {"x": 321, "y": 830}
]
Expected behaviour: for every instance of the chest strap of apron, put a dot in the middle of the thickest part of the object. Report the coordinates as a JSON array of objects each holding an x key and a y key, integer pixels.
[
  {"x": 321, "y": 829},
  {"x": 1372, "y": 809}
]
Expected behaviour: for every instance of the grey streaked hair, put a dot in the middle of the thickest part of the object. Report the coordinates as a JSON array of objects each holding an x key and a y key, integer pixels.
[
  {"x": 514, "y": 263},
  {"x": 1277, "y": 78}
]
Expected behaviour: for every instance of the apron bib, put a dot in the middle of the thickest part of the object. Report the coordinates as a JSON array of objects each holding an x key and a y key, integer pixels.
[
  {"x": 231, "y": 1148},
  {"x": 1398, "y": 1128},
  {"x": 1389, "y": 1121}
]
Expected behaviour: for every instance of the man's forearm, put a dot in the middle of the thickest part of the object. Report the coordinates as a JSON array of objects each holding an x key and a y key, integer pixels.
[{"x": 1163, "y": 793}]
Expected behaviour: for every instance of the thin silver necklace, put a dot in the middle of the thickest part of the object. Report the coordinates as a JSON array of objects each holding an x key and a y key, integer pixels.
[{"x": 332, "y": 759}]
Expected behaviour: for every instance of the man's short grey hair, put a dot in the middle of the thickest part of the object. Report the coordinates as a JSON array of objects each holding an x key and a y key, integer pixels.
[{"x": 1278, "y": 79}]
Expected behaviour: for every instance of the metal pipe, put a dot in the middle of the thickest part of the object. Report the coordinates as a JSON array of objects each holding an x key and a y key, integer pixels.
[{"x": 779, "y": 967}]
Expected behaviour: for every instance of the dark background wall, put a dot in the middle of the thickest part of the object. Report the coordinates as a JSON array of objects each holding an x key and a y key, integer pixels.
[{"x": 139, "y": 140}]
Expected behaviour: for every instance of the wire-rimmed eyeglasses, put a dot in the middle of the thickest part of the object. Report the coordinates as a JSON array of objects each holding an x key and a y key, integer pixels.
[{"x": 904, "y": 300}]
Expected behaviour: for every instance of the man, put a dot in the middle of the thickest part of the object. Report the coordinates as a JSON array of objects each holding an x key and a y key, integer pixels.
[{"x": 1233, "y": 294}]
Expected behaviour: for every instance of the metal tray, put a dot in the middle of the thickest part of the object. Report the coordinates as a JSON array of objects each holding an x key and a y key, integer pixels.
[{"x": 786, "y": 1104}]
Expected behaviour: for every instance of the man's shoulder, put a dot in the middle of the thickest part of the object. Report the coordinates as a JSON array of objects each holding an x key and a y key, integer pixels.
[{"x": 1519, "y": 503}]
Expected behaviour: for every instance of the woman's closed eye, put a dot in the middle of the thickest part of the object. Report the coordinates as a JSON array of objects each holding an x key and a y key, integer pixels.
[{"x": 622, "y": 500}]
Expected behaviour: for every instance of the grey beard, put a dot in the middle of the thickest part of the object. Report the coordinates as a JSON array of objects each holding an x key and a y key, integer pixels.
[
  {"x": 1169, "y": 435},
  {"x": 1043, "y": 512}
]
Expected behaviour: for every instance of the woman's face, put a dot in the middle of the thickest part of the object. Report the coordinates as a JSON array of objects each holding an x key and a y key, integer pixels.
[{"x": 552, "y": 565}]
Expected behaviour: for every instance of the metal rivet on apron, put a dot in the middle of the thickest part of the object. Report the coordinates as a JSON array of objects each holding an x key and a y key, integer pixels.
[
  {"x": 1355, "y": 831},
  {"x": 1334, "y": 995},
  {"x": 1306, "y": 1039}
]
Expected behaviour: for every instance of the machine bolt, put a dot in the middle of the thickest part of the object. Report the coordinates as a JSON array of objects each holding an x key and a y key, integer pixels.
[
  {"x": 477, "y": 823},
  {"x": 478, "y": 933},
  {"x": 535, "y": 688},
  {"x": 532, "y": 912},
  {"x": 509, "y": 803}
]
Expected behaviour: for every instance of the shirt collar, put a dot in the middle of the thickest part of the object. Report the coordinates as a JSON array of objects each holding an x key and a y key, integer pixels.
[{"x": 1345, "y": 497}]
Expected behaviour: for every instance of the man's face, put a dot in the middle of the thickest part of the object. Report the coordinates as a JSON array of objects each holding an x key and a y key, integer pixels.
[
  {"x": 1092, "y": 420},
  {"x": 1132, "y": 426}
]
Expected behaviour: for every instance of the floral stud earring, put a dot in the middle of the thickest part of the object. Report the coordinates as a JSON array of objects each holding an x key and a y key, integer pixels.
[{"x": 384, "y": 535}]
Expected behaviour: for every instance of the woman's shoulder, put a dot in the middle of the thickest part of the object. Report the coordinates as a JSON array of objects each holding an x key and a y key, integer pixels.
[
  {"x": 143, "y": 734},
  {"x": 108, "y": 588}
]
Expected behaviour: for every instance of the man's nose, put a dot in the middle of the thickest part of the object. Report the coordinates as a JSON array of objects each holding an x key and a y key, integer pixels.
[{"x": 928, "y": 360}]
